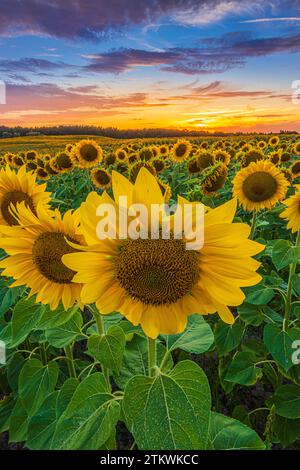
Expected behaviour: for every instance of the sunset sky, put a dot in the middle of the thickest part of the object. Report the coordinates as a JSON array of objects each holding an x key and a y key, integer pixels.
[{"x": 210, "y": 65}]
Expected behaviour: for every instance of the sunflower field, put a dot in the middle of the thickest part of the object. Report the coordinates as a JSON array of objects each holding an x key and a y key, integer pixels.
[{"x": 140, "y": 343}]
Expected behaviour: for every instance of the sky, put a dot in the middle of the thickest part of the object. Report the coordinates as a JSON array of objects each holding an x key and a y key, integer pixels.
[{"x": 187, "y": 64}]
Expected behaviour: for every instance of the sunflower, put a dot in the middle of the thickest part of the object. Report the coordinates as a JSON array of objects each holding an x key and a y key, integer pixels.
[
  {"x": 159, "y": 164},
  {"x": 146, "y": 154},
  {"x": 42, "y": 174},
  {"x": 31, "y": 155},
  {"x": 17, "y": 161},
  {"x": 222, "y": 156},
  {"x": 51, "y": 169},
  {"x": 110, "y": 159},
  {"x": 204, "y": 145},
  {"x": 292, "y": 211},
  {"x": 285, "y": 157},
  {"x": 158, "y": 283},
  {"x": 101, "y": 178},
  {"x": 62, "y": 162},
  {"x": 275, "y": 157},
  {"x": 69, "y": 148},
  {"x": 193, "y": 166},
  {"x": 155, "y": 151},
  {"x": 35, "y": 249},
  {"x": 31, "y": 166},
  {"x": 259, "y": 186},
  {"x": 274, "y": 140},
  {"x": 9, "y": 157},
  {"x": 88, "y": 153},
  {"x": 215, "y": 179},
  {"x": 132, "y": 158},
  {"x": 205, "y": 159},
  {"x": 287, "y": 174},
  {"x": 246, "y": 148},
  {"x": 295, "y": 168},
  {"x": 136, "y": 167},
  {"x": 181, "y": 151},
  {"x": 121, "y": 155},
  {"x": 262, "y": 144},
  {"x": 296, "y": 148},
  {"x": 252, "y": 156},
  {"x": 19, "y": 187},
  {"x": 164, "y": 150}
]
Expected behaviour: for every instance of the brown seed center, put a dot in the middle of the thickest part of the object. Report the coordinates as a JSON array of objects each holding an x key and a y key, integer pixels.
[
  {"x": 12, "y": 198},
  {"x": 157, "y": 272},
  {"x": 47, "y": 252},
  {"x": 259, "y": 186}
]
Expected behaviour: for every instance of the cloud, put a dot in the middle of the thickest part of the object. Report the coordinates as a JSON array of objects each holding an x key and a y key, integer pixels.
[
  {"x": 29, "y": 65},
  {"x": 213, "y": 55},
  {"x": 271, "y": 20},
  {"x": 97, "y": 19}
]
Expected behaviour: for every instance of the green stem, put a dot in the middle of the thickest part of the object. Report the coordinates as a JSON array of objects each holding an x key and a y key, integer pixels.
[
  {"x": 253, "y": 225},
  {"x": 100, "y": 327},
  {"x": 70, "y": 362},
  {"x": 151, "y": 356},
  {"x": 43, "y": 354},
  {"x": 290, "y": 289}
]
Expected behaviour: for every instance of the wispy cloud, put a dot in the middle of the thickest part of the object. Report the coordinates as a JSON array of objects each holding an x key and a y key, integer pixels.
[{"x": 271, "y": 20}]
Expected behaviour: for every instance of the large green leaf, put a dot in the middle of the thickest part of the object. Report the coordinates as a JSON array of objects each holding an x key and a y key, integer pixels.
[
  {"x": 66, "y": 333},
  {"x": 228, "y": 337},
  {"x": 36, "y": 382},
  {"x": 259, "y": 295},
  {"x": 53, "y": 319},
  {"x": 25, "y": 316},
  {"x": 287, "y": 401},
  {"x": 242, "y": 370},
  {"x": 18, "y": 423},
  {"x": 229, "y": 434},
  {"x": 136, "y": 360},
  {"x": 8, "y": 298},
  {"x": 251, "y": 314},
  {"x": 169, "y": 411},
  {"x": 108, "y": 348},
  {"x": 6, "y": 406},
  {"x": 279, "y": 344},
  {"x": 287, "y": 430},
  {"x": 89, "y": 419},
  {"x": 42, "y": 424},
  {"x": 282, "y": 254},
  {"x": 197, "y": 337},
  {"x": 14, "y": 367}
]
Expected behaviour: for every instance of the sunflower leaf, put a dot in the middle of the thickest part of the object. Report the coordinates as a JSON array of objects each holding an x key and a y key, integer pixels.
[{"x": 169, "y": 411}]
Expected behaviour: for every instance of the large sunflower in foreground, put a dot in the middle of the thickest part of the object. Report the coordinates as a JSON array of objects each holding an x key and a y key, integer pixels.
[
  {"x": 158, "y": 282},
  {"x": 292, "y": 211},
  {"x": 35, "y": 248},
  {"x": 260, "y": 186},
  {"x": 19, "y": 186},
  {"x": 88, "y": 153}
]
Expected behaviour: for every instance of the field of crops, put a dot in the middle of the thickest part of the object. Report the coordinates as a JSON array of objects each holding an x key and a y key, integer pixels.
[{"x": 124, "y": 343}]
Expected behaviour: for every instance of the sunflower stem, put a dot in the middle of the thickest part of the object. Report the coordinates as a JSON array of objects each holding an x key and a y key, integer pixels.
[
  {"x": 152, "y": 356},
  {"x": 101, "y": 331},
  {"x": 43, "y": 354},
  {"x": 253, "y": 224},
  {"x": 70, "y": 362},
  {"x": 288, "y": 302}
]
